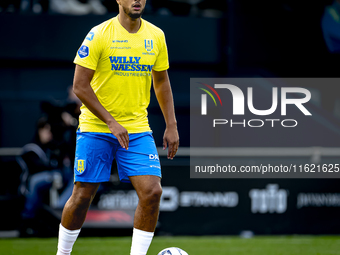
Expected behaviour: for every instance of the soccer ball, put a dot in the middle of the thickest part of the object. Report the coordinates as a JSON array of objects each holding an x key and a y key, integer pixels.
[{"x": 172, "y": 251}]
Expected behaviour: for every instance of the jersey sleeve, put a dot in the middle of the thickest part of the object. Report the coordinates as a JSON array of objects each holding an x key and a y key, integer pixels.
[
  {"x": 89, "y": 52},
  {"x": 162, "y": 61}
]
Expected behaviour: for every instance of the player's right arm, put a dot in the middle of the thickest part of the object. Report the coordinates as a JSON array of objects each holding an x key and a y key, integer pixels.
[{"x": 82, "y": 88}]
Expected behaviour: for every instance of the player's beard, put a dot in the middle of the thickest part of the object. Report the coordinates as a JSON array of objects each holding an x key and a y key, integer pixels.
[{"x": 133, "y": 15}]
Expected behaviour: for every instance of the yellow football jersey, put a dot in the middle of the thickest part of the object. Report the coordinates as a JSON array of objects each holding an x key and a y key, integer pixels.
[{"x": 122, "y": 80}]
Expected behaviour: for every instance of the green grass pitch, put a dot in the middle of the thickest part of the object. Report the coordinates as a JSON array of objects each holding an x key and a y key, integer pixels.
[{"x": 264, "y": 245}]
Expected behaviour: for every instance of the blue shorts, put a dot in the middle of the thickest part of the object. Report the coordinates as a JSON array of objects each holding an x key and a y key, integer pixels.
[{"x": 96, "y": 151}]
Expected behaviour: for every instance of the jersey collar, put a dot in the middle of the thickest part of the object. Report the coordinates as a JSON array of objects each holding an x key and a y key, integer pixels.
[{"x": 123, "y": 28}]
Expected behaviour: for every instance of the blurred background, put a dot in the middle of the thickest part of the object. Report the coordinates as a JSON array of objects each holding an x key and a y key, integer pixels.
[{"x": 205, "y": 38}]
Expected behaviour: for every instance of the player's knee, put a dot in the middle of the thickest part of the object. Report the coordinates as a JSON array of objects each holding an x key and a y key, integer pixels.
[
  {"x": 157, "y": 192},
  {"x": 82, "y": 198},
  {"x": 154, "y": 194}
]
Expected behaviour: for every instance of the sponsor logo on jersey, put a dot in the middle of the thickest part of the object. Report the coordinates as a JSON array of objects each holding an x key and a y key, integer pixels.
[
  {"x": 131, "y": 64},
  {"x": 148, "y": 53},
  {"x": 120, "y": 48},
  {"x": 84, "y": 51},
  {"x": 120, "y": 41},
  {"x": 90, "y": 36},
  {"x": 148, "y": 43},
  {"x": 81, "y": 166}
]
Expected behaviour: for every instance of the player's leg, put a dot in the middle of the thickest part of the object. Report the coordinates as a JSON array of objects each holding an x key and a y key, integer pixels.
[
  {"x": 149, "y": 192},
  {"x": 140, "y": 165},
  {"x": 76, "y": 207},
  {"x": 74, "y": 215},
  {"x": 94, "y": 155}
]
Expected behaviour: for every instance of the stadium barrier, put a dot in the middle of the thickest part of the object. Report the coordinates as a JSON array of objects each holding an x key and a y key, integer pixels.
[{"x": 228, "y": 206}]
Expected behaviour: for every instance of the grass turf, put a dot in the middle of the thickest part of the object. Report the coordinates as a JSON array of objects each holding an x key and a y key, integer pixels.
[{"x": 264, "y": 245}]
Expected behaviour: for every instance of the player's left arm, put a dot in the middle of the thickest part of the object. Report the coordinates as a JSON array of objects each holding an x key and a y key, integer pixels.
[{"x": 161, "y": 84}]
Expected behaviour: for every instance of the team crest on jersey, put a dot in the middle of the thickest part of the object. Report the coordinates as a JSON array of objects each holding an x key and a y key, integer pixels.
[
  {"x": 81, "y": 166},
  {"x": 148, "y": 43},
  {"x": 90, "y": 36},
  {"x": 84, "y": 51}
]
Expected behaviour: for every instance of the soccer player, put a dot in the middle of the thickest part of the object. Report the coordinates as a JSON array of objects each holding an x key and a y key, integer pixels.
[{"x": 114, "y": 68}]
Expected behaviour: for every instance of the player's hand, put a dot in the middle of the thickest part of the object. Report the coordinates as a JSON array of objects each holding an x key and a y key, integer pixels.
[
  {"x": 120, "y": 133},
  {"x": 171, "y": 140}
]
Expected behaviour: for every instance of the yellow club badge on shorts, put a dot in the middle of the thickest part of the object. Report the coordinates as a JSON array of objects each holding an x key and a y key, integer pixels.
[{"x": 81, "y": 166}]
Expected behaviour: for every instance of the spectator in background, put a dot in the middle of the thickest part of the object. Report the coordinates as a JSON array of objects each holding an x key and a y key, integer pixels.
[
  {"x": 49, "y": 159},
  {"x": 70, "y": 112},
  {"x": 63, "y": 117},
  {"x": 69, "y": 7},
  {"x": 204, "y": 8},
  {"x": 74, "y": 7},
  {"x": 331, "y": 27},
  {"x": 44, "y": 161},
  {"x": 9, "y": 6}
]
